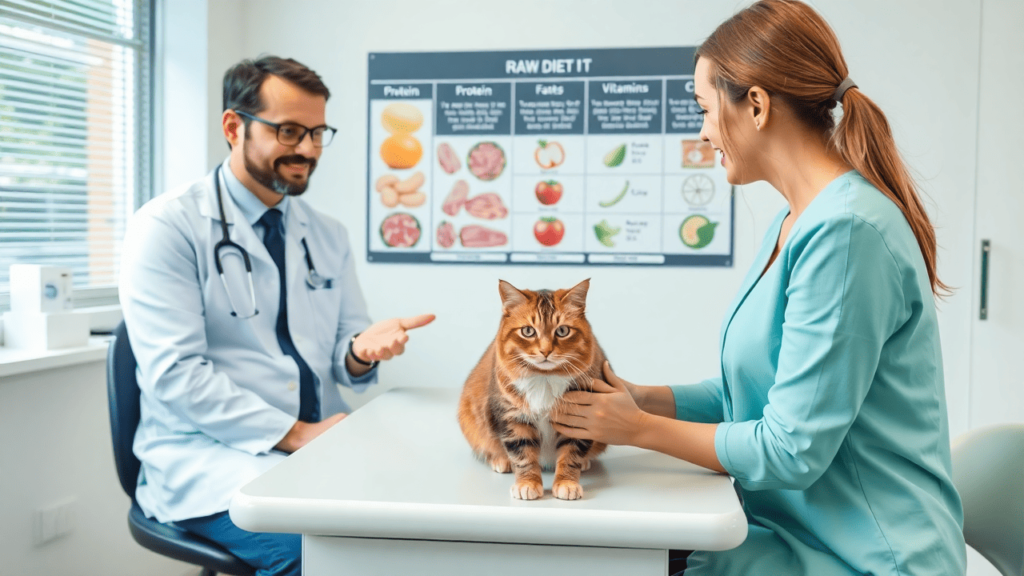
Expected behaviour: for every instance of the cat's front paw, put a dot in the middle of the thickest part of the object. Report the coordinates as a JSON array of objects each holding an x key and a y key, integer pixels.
[
  {"x": 527, "y": 490},
  {"x": 567, "y": 490},
  {"x": 501, "y": 465},
  {"x": 586, "y": 465}
]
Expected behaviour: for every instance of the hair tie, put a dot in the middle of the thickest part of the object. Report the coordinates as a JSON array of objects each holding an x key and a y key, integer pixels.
[{"x": 843, "y": 87}]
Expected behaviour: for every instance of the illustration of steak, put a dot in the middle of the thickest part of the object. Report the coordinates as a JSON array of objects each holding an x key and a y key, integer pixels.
[
  {"x": 456, "y": 198},
  {"x": 446, "y": 234},
  {"x": 487, "y": 206},
  {"x": 447, "y": 158},
  {"x": 474, "y": 236},
  {"x": 486, "y": 161}
]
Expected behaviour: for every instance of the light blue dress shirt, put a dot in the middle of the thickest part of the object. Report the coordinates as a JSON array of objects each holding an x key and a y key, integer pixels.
[
  {"x": 251, "y": 207},
  {"x": 217, "y": 392},
  {"x": 831, "y": 403}
]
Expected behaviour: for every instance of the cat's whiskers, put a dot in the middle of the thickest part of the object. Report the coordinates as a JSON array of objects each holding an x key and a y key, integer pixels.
[
  {"x": 530, "y": 366},
  {"x": 534, "y": 365},
  {"x": 576, "y": 371},
  {"x": 523, "y": 362}
]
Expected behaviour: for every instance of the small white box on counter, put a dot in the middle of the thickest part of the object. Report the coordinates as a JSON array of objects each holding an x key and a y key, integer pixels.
[
  {"x": 45, "y": 330},
  {"x": 36, "y": 288}
]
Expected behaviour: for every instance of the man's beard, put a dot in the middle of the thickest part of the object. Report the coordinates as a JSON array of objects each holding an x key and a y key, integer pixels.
[{"x": 272, "y": 180}]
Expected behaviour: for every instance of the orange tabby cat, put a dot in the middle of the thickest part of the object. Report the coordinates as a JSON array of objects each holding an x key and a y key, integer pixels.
[{"x": 544, "y": 348}]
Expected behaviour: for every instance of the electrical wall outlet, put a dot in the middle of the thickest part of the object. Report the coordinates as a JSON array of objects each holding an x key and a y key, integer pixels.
[{"x": 54, "y": 521}]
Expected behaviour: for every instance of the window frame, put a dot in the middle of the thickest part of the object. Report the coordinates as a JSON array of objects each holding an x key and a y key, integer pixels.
[{"x": 146, "y": 112}]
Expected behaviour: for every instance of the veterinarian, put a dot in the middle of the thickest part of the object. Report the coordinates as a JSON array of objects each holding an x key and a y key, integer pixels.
[
  {"x": 830, "y": 409},
  {"x": 244, "y": 313}
]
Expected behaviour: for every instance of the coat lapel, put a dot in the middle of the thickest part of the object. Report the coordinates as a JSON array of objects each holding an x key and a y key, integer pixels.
[
  {"x": 753, "y": 275},
  {"x": 239, "y": 229},
  {"x": 295, "y": 254}
]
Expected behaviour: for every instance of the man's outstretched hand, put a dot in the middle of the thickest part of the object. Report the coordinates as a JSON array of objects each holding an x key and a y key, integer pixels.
[{"x": 386, "y": 339}]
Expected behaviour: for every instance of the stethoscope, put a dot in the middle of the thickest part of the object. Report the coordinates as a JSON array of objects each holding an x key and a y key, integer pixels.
[{"x": 314, "y": 280}]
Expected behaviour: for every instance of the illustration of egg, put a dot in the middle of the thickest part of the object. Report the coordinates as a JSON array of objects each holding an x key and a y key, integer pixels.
[{"x": 401, "y": 118}]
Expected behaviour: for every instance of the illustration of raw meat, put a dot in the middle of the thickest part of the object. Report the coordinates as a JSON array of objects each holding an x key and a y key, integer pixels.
[
  {"x": 487, "y": 206},
  {"x": 447, "y": 158},
  {"x": 400, "y": 230},
  {"x": 446, "y": 234},
  {"x": 456, "y": 198},
  {"x": 474, "y": 236},
  {"x": 486, "y": 161}
]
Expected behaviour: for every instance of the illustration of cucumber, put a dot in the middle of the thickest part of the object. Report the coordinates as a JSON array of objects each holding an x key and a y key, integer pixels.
[
  {"x": 605, "y": 231},
  {"x": 614, "y": 201},
  {"x": 615, "y": 157},
  {"x": 697, "y": 231}
]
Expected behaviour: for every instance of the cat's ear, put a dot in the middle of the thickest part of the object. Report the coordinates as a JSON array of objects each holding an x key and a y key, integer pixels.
[
  {"x": 576, "y": 297},
  {"x": 510, "y": 295}
]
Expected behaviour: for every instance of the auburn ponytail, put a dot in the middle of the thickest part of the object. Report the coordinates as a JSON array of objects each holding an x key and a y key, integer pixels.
[
  {"x": 788, "y": 49},
  {"x": 864, "y": 139}
]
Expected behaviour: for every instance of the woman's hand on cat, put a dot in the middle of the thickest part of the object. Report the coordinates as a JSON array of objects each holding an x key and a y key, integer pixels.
[
  {"x": 614, "y": 380},
  {"x": 657, "y": 400},
  {"x": 386, "y": 339},
  {"x": 608, "y": 414}
]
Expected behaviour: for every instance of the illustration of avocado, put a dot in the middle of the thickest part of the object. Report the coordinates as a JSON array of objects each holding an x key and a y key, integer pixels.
[
  {"x": 605, "y": 232},
  {"x": 697, "y": 231},
  {"x": 615, "y": 157}
]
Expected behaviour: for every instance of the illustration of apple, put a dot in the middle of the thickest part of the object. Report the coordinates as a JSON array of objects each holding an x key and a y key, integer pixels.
[
  {"x": 549, "y": 230},
  {"x": 548, "y": 154},
  {"x": 548, "y": 192}
]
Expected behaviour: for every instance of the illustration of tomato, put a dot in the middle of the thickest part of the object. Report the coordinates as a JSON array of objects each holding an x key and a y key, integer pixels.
[
  {"x": 548, "y": 192},
  {"x": 549, "y": 230}
]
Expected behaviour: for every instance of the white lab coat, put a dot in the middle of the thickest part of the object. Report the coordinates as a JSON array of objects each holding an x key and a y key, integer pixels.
[{"x": 217, "y": 392}]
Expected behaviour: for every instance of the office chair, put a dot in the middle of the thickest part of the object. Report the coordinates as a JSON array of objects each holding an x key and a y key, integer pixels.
[
  {"x": 166, "y": 539},
  {"x": 988, "y": 471}
]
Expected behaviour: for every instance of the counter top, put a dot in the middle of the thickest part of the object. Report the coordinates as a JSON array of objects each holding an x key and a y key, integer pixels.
[{"x": 400, "y": 468}]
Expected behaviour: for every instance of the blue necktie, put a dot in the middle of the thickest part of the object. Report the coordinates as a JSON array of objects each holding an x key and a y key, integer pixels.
[{"x": 273, "y": 239}]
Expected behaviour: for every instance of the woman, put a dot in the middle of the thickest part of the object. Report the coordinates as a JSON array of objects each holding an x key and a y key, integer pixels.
[{"x": 830, "y": 410}]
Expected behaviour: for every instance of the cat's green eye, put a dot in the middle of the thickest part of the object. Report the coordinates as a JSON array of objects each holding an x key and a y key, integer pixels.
[
  {"x": 527, "y": 331},
  {"x": 562, "y": 331}
]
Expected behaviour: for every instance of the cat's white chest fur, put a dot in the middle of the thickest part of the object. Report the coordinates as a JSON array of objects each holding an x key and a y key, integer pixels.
[{"x": 541, "y": 392}]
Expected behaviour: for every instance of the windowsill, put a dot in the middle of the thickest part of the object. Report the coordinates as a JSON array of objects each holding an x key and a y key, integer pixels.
[{"x": 13, "y": 362}]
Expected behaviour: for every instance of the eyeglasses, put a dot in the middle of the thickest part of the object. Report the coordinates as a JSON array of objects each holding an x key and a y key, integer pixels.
[{"x": 291, "y": 134}]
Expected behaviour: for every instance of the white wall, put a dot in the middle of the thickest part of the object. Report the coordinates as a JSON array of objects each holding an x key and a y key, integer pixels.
[
  {"x": 658, "y": 325},
  {"x": 181, "y": 72},
  {"x": 227, "y": 32},
  {"x": 56, "y": 447}
]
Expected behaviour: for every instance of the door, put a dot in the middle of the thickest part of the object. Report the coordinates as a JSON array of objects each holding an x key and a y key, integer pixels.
[{"x": 997, "y": 350}]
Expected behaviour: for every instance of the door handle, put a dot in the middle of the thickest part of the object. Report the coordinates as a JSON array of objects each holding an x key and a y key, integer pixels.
[{"x": 986, "y": 248}]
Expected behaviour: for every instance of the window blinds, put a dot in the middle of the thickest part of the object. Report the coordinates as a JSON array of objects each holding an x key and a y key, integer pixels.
[{"x": 74, "y": 133}]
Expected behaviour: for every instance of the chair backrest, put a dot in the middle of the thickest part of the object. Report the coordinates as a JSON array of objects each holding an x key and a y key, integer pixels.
[
  {"x": 123, "y": 398},
  {"x": 988, "y": 471}
]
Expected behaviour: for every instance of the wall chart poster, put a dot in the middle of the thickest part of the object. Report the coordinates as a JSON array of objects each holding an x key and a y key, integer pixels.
[{"x": 587, "y": 157}]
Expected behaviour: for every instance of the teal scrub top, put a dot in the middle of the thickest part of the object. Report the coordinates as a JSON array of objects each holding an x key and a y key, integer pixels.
[{"x": 831, "y": 404}]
